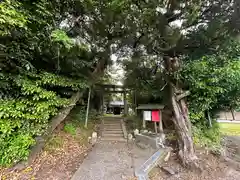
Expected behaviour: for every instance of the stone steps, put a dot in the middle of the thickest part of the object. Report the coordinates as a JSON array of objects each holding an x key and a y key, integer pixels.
[
  {"x": 112, "y": 130},
  {"x": 112, "y": 127},
  {"x": 115, "y": 139},
  {"x": 111, "y": 123},
  {"x": 115, "y": 131},
  {"x": 107, "y": 134}
]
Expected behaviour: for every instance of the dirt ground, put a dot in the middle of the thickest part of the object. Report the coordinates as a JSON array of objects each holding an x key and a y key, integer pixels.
[
  {"x": 212, "y": 169},
  {"x": 64, "y": 153},
  {"x": 59, "y": 160}
]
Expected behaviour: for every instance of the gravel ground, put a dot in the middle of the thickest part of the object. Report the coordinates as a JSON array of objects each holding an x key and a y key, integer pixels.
[
  {"x": 117, "y": 161},
  {"x": 111, "y": 161},
  {"x": 106, "y": 161}
]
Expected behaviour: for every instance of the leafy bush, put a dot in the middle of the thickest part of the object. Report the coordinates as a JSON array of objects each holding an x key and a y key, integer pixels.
[
  {"x": 133, "y": 122},
  {"x": 213, "y": 80},
  {"x": 37, "y": 62},
  {"x": 26, "y": 115},
  {"x": 80, "y": 114},
  {"x": 70, "y": 128},
  {"x": 207, "y": 137},
  {"x": 10, "y": 17},
  {"x": 15, "y": 147}
]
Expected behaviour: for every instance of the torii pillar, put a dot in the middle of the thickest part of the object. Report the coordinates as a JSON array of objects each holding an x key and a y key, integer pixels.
[{"x": 125, "y": 103}]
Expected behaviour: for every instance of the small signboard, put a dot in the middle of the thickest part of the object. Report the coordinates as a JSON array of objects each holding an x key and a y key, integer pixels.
[
  {"x": 147, "y": 115},
  {"x": 152, "y": 115},
  {"x": 156, "y": 116},
  {"x": 152, "y": 112}
]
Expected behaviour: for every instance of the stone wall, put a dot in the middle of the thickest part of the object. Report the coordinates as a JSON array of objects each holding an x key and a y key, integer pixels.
[{"x": 227, "y": 115}]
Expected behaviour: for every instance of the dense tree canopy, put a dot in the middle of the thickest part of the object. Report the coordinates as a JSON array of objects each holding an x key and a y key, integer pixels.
[
  {"x": 40, "y": 65},
  {"x": 169, "y": 46}
]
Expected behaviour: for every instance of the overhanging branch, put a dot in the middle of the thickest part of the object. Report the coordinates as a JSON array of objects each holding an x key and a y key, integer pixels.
[
  {"x": 164, "y": 86},
  {"x": 183, "y": 95}
]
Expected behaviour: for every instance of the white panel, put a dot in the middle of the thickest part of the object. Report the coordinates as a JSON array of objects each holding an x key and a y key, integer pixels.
[{"x": 147, "y": 115}]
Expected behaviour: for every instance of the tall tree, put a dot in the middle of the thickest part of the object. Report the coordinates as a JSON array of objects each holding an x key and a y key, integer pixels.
[
  {"x": 174, "y": 30},
  {"x": 159, "y": 36},
  {"x": 170, "y": 30}
]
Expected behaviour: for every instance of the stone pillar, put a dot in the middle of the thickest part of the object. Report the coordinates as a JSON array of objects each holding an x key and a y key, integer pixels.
[
  {"x": 125, "y": 103},
  {"x": 161, "y": 123},
  {"x": 88, "y": 106},
  {"x": 134, "y": 101}
]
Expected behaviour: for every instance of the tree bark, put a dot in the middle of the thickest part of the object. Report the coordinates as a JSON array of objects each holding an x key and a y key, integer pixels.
[
  {"x": 55, "y": 121},
  {"x": 183, "y": 130},
  {"x": 232, "y": 112},
  {"x": 180, "y": 115}
]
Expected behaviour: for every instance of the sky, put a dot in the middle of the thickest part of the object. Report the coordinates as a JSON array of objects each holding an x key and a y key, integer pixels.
[{"x": 117, "y": 71}]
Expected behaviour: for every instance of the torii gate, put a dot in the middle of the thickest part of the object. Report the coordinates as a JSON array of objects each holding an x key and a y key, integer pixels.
[{"x": 108, "y": 88}]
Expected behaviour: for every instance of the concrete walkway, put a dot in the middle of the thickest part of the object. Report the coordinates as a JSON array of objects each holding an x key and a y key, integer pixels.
[{"x": 111, "y": 161}]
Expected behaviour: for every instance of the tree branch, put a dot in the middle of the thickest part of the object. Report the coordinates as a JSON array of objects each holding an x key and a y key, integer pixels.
[
  {"x": 164, "y": 86},
  {"x": 173, "y": 17},
  {"x": 183, "y": 95}
]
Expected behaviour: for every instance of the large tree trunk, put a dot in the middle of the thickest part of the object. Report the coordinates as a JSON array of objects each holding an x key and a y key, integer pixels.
[
  {"x": 183, "y": 130},
  {"x": 180, "y": 114}
]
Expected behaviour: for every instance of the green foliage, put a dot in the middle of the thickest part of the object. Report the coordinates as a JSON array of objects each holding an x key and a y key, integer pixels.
[
  {"x": 11, "y": 16},
  {"x": 145, "y": 78},
  {"x": 213, "y": 81},
  {"x": 207, "y": 137},
  {"x": 27, "y": 116},
  {"x": 75, "y": 126},
  {"x": 37, "y": 37},
  {"x": 80, "y": 114},
  {"x": 61, "y": 37},
  {"x": 56, "y": 80},
  {"x": 15, "y": 147},
  {"x": 33, "y": 84},
  {"x": 70, "y": 128},
  {"x": 133, "y": 122}
]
